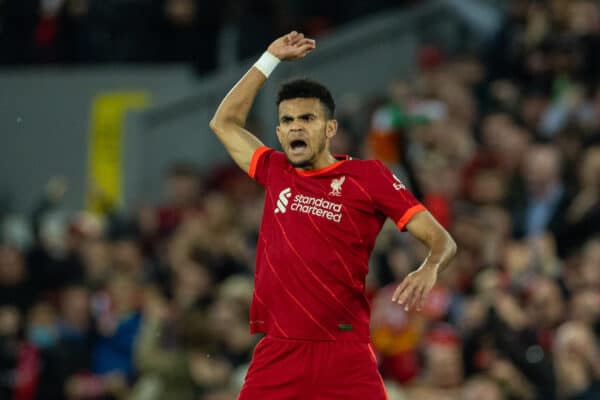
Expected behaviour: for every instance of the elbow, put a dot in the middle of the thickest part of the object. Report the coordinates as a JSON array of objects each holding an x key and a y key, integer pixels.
[
  {"x": 214, "y": 125},
  {"x": 219, "y": 124},
  {"x": 452, "y": 247}
]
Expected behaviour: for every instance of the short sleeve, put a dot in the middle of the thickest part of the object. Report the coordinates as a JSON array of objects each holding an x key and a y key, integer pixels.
[
  {"x": 390, "y": 196},
  {"x": 261, "y": 162}
]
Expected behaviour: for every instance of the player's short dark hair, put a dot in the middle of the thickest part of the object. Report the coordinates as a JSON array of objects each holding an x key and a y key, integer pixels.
[{"x": 307, "y": 89}]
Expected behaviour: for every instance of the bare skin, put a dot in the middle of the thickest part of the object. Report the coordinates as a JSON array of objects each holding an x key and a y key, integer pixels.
[
  {"x": 304, "y": 131},
  {"x": 414, "y": 289},
  {"x": 230, "y": 118},
  {"x": 305, "y": 120}
]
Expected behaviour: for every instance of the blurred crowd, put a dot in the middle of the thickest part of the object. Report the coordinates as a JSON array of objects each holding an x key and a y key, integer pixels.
[
  {"x": 503, "y": 147},
  {"x": 150, "y": 305},
  {"x": 35, "y": 32}
]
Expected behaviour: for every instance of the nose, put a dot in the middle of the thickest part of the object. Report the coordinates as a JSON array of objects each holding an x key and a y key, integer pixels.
[{"x": 296, "y": 127}]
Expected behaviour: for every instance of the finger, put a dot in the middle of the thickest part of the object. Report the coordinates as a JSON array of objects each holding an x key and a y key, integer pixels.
[
  {"x": 409, "y": 301},
  {"x": 307, "y": 42},
  {"x": 417, "y": 301},
  {"x": 406, "y": 294},
  {"x": 294, "y": 40},
  {"x": 290, "y": 37},
  {"x": 424, "y": 296},
  {"x": 304, "y": 50},
  {"x": 401, "y": 287},
  {"x": 305, "y": 45}
]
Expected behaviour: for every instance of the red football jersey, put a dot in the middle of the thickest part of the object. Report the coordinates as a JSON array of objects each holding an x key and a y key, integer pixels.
[{"x": 317, "y": 233}]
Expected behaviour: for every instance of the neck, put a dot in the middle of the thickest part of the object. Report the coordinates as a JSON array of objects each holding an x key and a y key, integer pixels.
[{"x": 325, "y": 160}]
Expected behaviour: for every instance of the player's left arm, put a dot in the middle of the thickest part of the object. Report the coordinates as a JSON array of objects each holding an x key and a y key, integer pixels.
[{"x": 414, "y": 288}]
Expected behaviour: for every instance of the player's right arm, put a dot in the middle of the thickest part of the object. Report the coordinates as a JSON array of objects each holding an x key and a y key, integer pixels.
[{"x": 231, "y": 115}]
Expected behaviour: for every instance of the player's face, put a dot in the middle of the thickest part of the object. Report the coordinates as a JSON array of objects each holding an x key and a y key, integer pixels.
[{"x": 304, "y": 131}]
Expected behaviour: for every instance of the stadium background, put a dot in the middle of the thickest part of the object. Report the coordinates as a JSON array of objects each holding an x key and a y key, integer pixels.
[{"x": 127, "y": 236}]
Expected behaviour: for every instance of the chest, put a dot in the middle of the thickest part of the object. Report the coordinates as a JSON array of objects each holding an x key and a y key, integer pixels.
[{"x": 332, "y": 197}]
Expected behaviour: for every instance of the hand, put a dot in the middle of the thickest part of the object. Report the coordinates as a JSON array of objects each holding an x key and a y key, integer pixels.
[
  {"x": 510, "y": 312},
  {"x": 509, "y": 377},
  {"x": 292, "y": 46},
  {"x": 415, "y": 287}
]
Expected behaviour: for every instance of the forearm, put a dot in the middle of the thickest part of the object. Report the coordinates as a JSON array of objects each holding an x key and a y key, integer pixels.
[
  {"x": 236, "y": 105},
  {"x": 442, "y": 247},
  {"x": 231, "y": 115},
  {"x": 230, "y": 118},
  {"x": 442, "y": 250},
  {"x": 234, "y": 108}
]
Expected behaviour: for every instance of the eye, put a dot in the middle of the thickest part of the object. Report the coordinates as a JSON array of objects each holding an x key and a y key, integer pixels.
[
  {"x": 307, "y": 117},
  {"x": 286, "y": 120}
]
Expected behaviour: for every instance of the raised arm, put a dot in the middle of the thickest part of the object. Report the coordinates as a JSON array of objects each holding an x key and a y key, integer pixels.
[
  {"x": 414, "y": 288},
  {"x": 230, "y": 118}
]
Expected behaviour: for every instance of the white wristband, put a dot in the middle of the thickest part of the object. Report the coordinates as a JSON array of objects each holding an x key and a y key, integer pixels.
[{"x": 267, "y": 63}]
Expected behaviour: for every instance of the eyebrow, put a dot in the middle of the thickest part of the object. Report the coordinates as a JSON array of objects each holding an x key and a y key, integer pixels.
[{"x": 287, "y": 116}]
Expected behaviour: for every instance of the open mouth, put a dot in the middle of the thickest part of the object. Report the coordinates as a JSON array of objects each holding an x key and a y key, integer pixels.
[{"x": 298, "y": 145}]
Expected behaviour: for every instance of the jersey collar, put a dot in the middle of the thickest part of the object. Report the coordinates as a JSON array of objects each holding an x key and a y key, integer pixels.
[{"x": 341, "y": 158}]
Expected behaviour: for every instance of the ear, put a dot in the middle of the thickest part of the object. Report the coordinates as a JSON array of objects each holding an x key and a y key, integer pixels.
[{"x": 331, "y": 128}]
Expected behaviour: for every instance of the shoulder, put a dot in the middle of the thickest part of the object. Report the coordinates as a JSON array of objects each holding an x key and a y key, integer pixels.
[
  {"x": 364, "y": 167},
  {"x": 278, "y": 159},
  {"x": 266, "y": 161},
  {"x": 375, "y": 174},
  {"x": 279, "y": 155},
  {"x": 267, "y": 154},
  {"x": 354, "y": 162}
]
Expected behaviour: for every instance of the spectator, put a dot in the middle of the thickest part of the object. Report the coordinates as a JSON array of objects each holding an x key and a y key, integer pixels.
[
  {"x": 118, "y": 327},
  {"x": 545, "y": 197},
  {"x": 15, "y": 286},
  {"x": 189, "y": 32},
  {"x": 503, "y": 152},
  {"x": 583, "y": 214},
  {"x": 70, "y": 356},
  {"x": 183, "y": 188},
  {"x": 578, "y": 362},
  {"x": 10, "y": 325},
  {"x": 160, "y": 355}
]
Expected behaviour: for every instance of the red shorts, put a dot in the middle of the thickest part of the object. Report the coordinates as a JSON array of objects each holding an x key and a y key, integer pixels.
[{"x": 283, "y": 369}]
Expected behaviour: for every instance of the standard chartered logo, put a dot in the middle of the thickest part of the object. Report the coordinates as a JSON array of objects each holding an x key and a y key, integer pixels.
[
  {"x": 283, "y": 201},
  {"x": 318, "y": 207}
]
